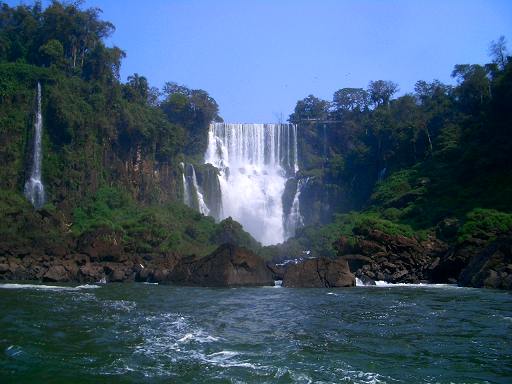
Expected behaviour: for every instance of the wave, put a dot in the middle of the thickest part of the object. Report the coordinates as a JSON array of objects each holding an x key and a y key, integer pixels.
[
  {"x": 43, "y": 287},
  {"x": 382, "y": 283}
]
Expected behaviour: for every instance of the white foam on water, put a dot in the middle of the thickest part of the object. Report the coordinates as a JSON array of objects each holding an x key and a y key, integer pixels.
[
  {"x": 43, "y": 287},
  {"x": 361, "y": 377},
  {"x": 178, "y": 339},
  {"x": 224, "y": 359},
  {"x": 197, "y": 336},
  {"x": 382, "y": 283}
]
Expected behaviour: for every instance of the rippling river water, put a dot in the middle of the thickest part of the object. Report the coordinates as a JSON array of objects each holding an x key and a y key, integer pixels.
[{"x": 138, "y": 333}]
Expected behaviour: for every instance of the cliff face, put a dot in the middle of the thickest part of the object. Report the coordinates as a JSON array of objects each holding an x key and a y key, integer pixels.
[{"x": 86, "y": 145}]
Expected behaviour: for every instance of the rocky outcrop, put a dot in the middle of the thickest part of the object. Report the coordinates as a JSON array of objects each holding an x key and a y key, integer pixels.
[
  {"x": 319, "y": 273},
  {"x": 102, "y": 245},
  {"x": 228, "y": 266},
  {"x": 491, "y": 267},
  {"x": 447, "y": 267},
  {"x": 393, "y": 258},
  {"x": 84, "y": 268}
]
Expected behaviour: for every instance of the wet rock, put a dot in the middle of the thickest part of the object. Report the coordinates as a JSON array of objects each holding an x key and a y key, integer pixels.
[
  {"x": 447, "y": 229},
  {"x": 449, "y": 266},
  {"x": 490, "y": 268},
  {"x": 229, "y": 265},
  {"x": 367, "y": 280},
  {"x": 356, "y": 262},
  {"x": 319, "y": 273},
  {"x": 102, "y": 244},
  {"x": 393, "y": 258},
  {"x": 278, "y": 271},
  {"x": 56, "y": 273},
  {"x": 160, "y": 276},
  {"x": 91, "y": 272}
]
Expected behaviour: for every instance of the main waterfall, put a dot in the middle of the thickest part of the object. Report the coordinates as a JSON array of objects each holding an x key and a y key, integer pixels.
[
  {"x": 254, "y": 163},
  {"x": 34, "y": 189}
]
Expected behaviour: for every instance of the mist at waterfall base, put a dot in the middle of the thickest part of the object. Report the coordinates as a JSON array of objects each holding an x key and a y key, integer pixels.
[
  {"x": 254, "y": 163},
  {"x": 140, "y": 333},
  {"x": 34, "y": 188}
]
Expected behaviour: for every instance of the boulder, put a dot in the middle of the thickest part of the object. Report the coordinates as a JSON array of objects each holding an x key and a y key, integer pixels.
[
  {"x": 319, "y": 273},
  {"x": 393, "y": 258},
  {"x": 56, "y": 273},
  {"x": 92, "y": 272},
  {"x": 102, "y": 244},
  {"x": 490, "y": 268},
  {"x": 278, "y": 270},
  {"x": 448, "y": 267},
  {"x": 4, "y": 268},
  {"x": 228, "y": 266}
]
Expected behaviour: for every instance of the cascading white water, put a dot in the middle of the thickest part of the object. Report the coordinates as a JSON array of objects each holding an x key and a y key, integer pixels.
[
  {"x": 34, "y": 188},
  {"x": 199, "y": 195},
  {"x": 192, "y": 194},
  {"x": 254, "y": 162},
  {"x": 186, "y": 189},
  {"x": 294, "y": 219}
]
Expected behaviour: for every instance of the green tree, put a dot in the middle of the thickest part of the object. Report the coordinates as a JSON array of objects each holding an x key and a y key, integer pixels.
[
  {"x": 310, "y": 108},
  {"x": 52, "y": 52},
  {"x": 381, "y": 91},
  {"x": 351, "y": 99}
]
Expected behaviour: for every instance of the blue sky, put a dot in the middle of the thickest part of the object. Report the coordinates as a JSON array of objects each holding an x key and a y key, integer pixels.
[{"x": 258, "y": 57}]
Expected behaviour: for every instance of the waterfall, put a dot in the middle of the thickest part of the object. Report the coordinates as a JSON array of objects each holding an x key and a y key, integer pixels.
[
  {"x": 192, "y": 194},
  {"x": 34, "y": 188},
  {"x": 294, "y": 219},
  {"x": 254, "y": 162},
  {"x": 186, "y": 189},
  {"x": 199, "y": 195},
  {"x": 382, "y": 174}
]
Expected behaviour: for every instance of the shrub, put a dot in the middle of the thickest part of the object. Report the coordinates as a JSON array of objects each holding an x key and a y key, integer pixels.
[{"x": 485, "y": 224}]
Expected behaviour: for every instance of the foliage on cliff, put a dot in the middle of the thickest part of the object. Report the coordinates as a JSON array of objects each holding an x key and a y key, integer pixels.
[
  {"x": 408, "y": 163},
  {"x": 111, "y": 150}
]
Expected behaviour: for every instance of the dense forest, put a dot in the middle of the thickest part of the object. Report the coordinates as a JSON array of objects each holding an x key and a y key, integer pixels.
[
  {"x": 435, "y": 162},
  {"x": 111, "y": 150}
]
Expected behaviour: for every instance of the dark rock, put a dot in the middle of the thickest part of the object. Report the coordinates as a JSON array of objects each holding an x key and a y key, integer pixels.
[
  {"x": 356, "y": 262},
  {"x": 229, "y": 265},
  {"x": 116, "y": 272},
  {"x": 92, "y": 272},
  {"x": 56, "y": 273},
  {"x": 102, "y": 244},
  {"x": 160, "y": 276},
  {"x": 393, "y": 258},
  {"x": 447, "y": 229},
  {"x": 366, "y": 280},
  {"x": 343, "y": 246},
  {"x": 319, "y": 273},
  {"x": 449, "y": 266},
  {"x": 490, "y": 268},
  {"x": 278, "y": 271}
]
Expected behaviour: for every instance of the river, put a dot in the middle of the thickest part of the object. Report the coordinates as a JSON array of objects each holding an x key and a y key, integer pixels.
[{"x": 141, "y": 333}]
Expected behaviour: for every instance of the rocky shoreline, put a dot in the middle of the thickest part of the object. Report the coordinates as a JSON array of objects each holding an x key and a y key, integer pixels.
[{"x": 373, "y": 256}]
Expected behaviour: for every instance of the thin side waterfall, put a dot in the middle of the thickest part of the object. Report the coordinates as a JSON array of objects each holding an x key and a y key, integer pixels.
[
  {"x": 199, "y": 195},
  {"x": 192, "y": 194},
  {"x": 254, "y": 163},
  {"x": 294, "y": 220},
  {"x": 34, "y": 188},
  {"x": 186, "y": 189}
]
